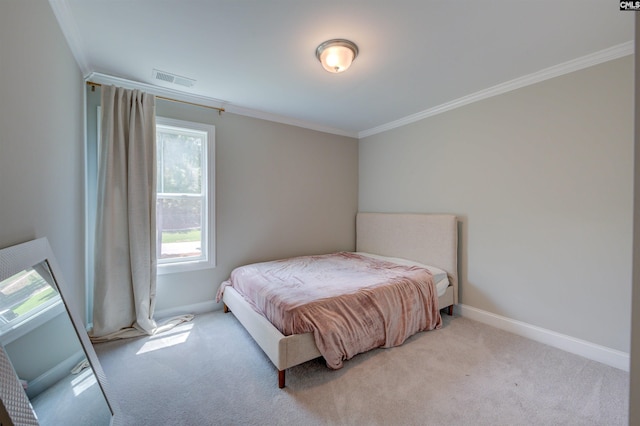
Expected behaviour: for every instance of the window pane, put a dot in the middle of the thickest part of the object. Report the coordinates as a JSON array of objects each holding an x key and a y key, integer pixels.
[
  {"x": 179, "y": 162},
  {"x": 185, "y": 161},
  {"x": 179, "y": 223},
  {"x": 23, "y": 293}
]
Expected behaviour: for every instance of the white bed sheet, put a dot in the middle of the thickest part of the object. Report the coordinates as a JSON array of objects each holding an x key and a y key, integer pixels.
[{"x": 440, "y": 279}]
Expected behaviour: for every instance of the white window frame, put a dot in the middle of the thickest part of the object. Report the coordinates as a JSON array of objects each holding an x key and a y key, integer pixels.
[
  {"x": 208, "y": 258},
  {"x": 31, "y": 320}
]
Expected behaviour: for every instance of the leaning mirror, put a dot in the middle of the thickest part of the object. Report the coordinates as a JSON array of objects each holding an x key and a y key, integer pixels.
[{"x": 49, "y": 369}]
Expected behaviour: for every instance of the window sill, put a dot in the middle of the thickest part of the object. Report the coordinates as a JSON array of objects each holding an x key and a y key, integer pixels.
[
  {"x": 29, "y": 324},
  {"x": 173, "y": 268}
]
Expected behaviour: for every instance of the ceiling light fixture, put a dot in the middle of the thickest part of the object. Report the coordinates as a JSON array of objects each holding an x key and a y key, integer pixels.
[{"x": 336, "y": 55}]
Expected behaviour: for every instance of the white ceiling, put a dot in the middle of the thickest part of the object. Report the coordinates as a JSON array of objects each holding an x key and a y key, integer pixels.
[{"x": 416, "y": 56}]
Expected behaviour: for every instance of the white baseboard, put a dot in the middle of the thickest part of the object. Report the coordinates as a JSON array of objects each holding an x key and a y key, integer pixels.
[
  {"x": 53, "y": 375},
  {"x": 196, "y": 308},
  {"x": 603, "y": 354},
  {"x": 595, "y": 352}
]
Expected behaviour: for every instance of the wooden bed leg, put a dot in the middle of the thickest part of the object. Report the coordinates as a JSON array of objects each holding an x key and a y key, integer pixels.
[
  {"x": 281, "y": 378},
  {"x": 450, "y": 310},
  {"x": 225, "y": 308}
]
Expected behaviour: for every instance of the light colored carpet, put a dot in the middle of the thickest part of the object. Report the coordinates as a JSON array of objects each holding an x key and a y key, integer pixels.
[
  {"x": 75, "y": 400},
  {"x": 210, "y": 372}
]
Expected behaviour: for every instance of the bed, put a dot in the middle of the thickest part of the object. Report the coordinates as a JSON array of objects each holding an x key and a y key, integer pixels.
[{"x": 429, "y": 239}]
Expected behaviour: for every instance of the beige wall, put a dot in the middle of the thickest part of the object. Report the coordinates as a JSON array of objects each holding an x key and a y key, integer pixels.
[
  {"x": 41, "y": 160},
  {"x": 541, "y": 178},
  {"x": 41, "y": 137}
]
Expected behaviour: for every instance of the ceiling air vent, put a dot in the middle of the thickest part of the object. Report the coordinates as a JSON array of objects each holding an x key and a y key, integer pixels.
[{"x": 172, "y": 78}]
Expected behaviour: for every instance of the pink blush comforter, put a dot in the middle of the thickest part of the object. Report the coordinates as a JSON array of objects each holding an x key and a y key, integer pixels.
[{"x": 351, "y": 303}]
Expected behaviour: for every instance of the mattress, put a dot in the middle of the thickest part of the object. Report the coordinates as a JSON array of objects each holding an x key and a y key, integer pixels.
[{"x": 440, "y": 279}]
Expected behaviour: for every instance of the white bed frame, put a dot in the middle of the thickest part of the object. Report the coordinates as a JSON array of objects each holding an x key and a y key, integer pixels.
[{"x": 431, "y": 239}]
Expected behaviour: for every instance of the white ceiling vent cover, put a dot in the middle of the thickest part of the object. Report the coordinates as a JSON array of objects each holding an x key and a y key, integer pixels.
[{"x": 167, "y": 77}]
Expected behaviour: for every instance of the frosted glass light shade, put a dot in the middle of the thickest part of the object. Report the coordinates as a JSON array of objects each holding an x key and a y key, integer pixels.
[{"x": 336, "y": 55}]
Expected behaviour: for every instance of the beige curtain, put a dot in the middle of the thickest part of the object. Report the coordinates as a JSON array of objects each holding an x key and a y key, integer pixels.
[{"x": 125, "y": 248}]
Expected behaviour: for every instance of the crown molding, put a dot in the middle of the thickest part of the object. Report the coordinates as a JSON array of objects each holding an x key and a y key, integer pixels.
[
  {"x": 583, "y": 62},
  {"x": 70, "y": 31},
  {"x": 596, "y": 58},
  {"x": 248, "y": 112},
  {"x": 100, "y": 78},
  {"x": 178, "y": 95}
]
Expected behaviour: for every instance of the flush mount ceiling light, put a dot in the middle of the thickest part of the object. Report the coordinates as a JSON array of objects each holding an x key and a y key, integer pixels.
[{"x": 336, "y": 55}]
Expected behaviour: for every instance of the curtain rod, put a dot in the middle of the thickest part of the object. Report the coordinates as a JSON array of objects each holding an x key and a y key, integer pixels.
[{"x": 220, "y": 110}]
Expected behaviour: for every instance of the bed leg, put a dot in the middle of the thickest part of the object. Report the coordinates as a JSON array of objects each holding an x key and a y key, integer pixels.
[
  {"x": 450, "y": 310},
  {"x": 225, "y": 308},
  {"x": 281, "y": 378}
]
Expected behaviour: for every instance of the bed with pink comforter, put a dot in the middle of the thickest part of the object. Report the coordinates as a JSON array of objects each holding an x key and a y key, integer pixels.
[{"x": 350, "y": 302}]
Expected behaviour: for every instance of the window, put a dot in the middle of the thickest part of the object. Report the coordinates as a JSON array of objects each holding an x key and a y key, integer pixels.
[
  {"x": 185, "y": 195},
  {"x": 23, "y": 297}
]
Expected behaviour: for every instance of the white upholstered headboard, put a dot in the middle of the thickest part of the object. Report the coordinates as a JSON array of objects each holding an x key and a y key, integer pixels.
[{"x": 431, "y": 239}]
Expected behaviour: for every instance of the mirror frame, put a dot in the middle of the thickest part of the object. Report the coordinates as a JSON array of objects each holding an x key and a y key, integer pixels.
[{"x": 13, "y": 260}]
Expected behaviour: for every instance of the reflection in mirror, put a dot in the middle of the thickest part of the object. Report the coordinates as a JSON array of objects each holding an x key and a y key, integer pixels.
[
  {"x": 25, "y": 294},
  {"x": 48, "y": 347}
]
